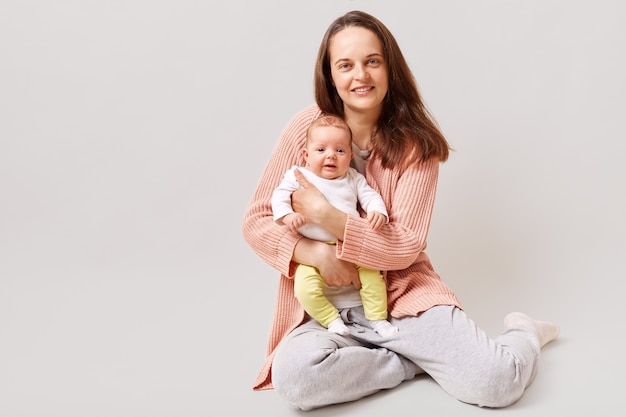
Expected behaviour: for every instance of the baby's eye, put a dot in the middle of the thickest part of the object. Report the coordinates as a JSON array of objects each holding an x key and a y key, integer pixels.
[
  {"x": 320, "y": 149},
  {"x": 341, "y": 151}
]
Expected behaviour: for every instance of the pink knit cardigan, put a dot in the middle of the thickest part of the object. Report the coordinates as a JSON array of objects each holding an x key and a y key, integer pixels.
[{"x": 398, "y": 248}]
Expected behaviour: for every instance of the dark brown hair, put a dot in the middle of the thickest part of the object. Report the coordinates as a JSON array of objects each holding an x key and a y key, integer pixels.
[{"x": 405, "y": 127}]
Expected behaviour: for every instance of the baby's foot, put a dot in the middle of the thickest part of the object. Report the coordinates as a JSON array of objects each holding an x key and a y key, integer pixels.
[
  {"x": 339, "y": 327},
  {"x": 384, "y": 328}
]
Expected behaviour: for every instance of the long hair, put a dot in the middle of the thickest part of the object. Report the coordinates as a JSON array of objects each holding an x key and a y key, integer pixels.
[{"x": 406, "y": 132}]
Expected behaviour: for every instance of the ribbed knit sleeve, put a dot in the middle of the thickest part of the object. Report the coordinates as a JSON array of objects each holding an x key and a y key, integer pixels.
[
  {"x": 410, "y": 198},
  {"x": 271, "y": 242}
]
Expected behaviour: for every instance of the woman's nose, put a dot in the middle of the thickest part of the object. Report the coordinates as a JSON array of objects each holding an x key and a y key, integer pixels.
[{"x": 361, "y": 72}]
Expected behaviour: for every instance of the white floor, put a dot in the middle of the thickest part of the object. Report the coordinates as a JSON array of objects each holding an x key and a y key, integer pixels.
[{"x": 163, "y": 343}]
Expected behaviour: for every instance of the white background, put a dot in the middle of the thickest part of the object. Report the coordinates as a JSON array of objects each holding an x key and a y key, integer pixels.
[{"x": 133, "y": 134}]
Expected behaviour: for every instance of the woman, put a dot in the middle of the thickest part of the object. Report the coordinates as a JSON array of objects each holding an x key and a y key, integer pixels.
[{"x": 362, "y": 76}]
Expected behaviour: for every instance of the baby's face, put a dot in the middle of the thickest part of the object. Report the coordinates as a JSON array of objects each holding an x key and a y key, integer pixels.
[{"x": 328, "y": 152}]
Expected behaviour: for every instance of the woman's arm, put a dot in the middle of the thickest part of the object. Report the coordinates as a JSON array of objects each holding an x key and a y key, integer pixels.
[
  {"x": 271, "y": 242},
  {"x": 275, "y": 244},
  {"x": 410, "y": 198}
]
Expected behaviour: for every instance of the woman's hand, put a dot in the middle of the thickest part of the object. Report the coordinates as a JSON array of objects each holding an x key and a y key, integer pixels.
[
  {"x": 338, "y": 273},
  {"x": 308, "y": 201},
  {"x": 335, "y": 272},
  {"x": 311, "y": 203}
]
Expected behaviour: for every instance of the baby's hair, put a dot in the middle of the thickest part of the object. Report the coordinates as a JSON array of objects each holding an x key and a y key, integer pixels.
[{"x": 329, "y": 120}]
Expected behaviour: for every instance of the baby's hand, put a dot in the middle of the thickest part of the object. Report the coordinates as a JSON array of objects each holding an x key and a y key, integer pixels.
[
  {"x": 376, "y": 219},
  {"x": 294, "y": 221}
]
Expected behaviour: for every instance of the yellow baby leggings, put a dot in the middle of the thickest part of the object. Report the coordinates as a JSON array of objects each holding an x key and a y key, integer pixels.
[{"x": 308, "y": 287}]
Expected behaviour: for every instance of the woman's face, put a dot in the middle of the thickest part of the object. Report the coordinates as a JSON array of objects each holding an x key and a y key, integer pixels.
[{"x": 358, "y": 70}]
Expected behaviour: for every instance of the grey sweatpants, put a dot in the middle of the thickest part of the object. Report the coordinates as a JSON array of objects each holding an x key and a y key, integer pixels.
[{"x": 313, "y": 367}]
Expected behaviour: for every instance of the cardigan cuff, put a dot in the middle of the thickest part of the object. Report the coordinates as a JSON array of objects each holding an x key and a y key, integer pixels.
[
  {"x": 350, "y": 248},
  {"x": 284, "y": 254}
]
